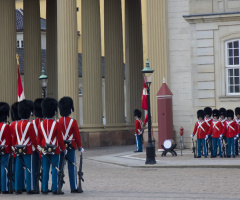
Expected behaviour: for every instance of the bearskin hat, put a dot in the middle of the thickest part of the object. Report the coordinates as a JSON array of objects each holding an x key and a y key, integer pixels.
[
  {"x": 216, "y": 113},
  {"x": 200, "y": 113},
  {"x": 4, "y": 111},
  {"x": 230, "y": 113},
  {"x": 208, "y": 111},
  {"x": 222, "y": 111},
  {"x": 237, "y": 111},
  {"x": 137, "y": 113},
  {"x": 37, "y": 109},
  {"x": 66, "y": 106},
  {"x": 49, "y": 107},
  {"x": 25, "y": 108},
  {"x": 14, "y": 112}
]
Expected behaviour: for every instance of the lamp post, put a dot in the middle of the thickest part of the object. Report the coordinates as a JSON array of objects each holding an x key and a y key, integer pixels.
[
  {"x": 43, "y": 79},
  {"x": 150, "y": 149}
]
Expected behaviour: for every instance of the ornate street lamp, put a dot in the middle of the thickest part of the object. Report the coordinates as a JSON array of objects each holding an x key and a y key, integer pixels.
[
  {"x": 43, "y": 79},
  {"x": 150, "y": 149}
]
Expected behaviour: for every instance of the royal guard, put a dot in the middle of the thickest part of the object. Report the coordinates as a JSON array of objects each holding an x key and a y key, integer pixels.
[
  {"x": 200, "y": 129},
  {"x": 37, "y": 111},
  {"x": 237, "y": 113},
  {"x": 71, "y": 137},
  {"x": 231, "y": 133},
  {"x": 138, "y": 130},
  {"x": 208, "y": 120},
  {"x": 5, "y": 145},
  {"x": 50, "y": 141},
  {"x": 215, "y": 131},
  {"x": 223, "y": 120},
  {"x": 23, "y": 139}
]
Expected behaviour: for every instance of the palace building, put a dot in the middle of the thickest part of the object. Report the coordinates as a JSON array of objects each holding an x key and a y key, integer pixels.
[{"x": 193, "y": 44}]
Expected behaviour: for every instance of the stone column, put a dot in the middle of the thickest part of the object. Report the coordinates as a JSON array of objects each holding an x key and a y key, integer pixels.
[
  {"x": 67, "y": 52},
  {"x": 51, "y": 50},
  {"x": 32, "y": 49},
  {"x": 8, "y": 64},
  {"x": 157, "y": 49},
  {"x": 114, "y": 68},
  {"x": 134, "y": 57},
  {"x": 91, "y": 62}
]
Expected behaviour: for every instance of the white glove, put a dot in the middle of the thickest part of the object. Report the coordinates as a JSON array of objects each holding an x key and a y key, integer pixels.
[
  {"x": 81, "y": 149},
  {"x": 206, "y": 137},
  {"x": 220, "y": 136},
  {"x": 39, "y": 148},
  {"x": 65, "y": 152},
  {"x": 237, "y": 135},
  {"x": 192, "y": 136},
  {"x": 235, "y": 138}
]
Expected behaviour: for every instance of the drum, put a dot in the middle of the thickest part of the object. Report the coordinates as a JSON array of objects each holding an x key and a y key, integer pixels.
[{"x": 168, "y": 144}]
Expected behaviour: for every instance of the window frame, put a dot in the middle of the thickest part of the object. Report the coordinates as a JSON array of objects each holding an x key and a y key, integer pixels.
[{"x": 227, "y": 67}]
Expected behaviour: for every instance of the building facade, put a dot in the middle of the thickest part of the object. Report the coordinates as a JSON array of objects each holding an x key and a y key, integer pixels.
[{"x": 193, "y": 44}]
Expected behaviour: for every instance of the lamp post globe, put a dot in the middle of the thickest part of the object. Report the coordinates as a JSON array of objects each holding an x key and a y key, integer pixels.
[
  {"x": 44, "y": 80},
  {"x": 150, "y": 148}
]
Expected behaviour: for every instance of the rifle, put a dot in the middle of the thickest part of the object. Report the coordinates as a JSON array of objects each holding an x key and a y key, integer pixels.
[
  {"x": 223, "y": 148},
  {"x": 38, "y": 174},
  {"x": 80, "y": 175},
  {"x": 211, "y": 147},
  {"x": 23, "y": 163},
  {"x": 10, "y": 175},
  {"x": 61, "y": 175}
]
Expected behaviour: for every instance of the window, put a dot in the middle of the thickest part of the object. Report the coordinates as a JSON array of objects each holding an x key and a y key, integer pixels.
[
  {"x": 20, "y": 44},
  {"x": 232, "y": 67}
]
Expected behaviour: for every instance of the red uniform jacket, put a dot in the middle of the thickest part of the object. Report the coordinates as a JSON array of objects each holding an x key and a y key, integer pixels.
[
  {"x": 224, "y": 124},
  {"x": 5, "y": 136},
  {"x": 56, "y": 138},
  {"x": 138, "y": 126},
  {"x": 35, "y": 123},
  {"x": 216, "y": 129},
  {"x": 70, "y": 131},
  {"x": 208, "y": 122},
  {"x": 18, "y": 135},
  {"x": 238, "y": 125},
  {"x": 231, "y": 128},
  {"x": 201, "y": 129}
]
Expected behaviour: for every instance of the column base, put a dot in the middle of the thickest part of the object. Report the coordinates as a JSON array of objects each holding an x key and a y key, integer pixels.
[{"x": 106, "y": 137}]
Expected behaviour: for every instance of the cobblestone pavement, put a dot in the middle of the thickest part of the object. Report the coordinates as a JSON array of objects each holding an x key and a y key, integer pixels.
[{"x": 105, "y": 181}]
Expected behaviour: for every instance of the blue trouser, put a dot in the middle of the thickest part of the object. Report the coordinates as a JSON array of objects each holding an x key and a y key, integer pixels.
[
  {"x": 138, "y": 139},
  {"x": 35, "y": 168},
  {"x": 230, "y": 142},
  {"x": 203, "y": 142},
  {"x": 19, "y": 175},
  {"x": 72, "y": 170},
  {"x": 217, "y": 141},
  {"x": 236, "y": 146},
  {"x": 4, "y": 178},
  {"x": 45, "y": 173}
]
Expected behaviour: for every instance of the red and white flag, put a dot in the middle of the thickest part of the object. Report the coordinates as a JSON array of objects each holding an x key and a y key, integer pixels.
[
  {"x": 21, "y": 95},
  {"x": 144, "y": 97}
]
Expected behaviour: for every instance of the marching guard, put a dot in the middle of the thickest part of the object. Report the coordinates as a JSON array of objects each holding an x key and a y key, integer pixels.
[
  {"x": 223, "y": 120},
  {"x": 138, "y": 130},
  {"x": 200, "y": 129},
  {"x": 5, "y": 146},
  {"x": 231, "y": 133},
  {"x": 208, "y": 120},
  {"x": 215, "y": 131},
  {"x": 37, "y": 111},
  {"x": 237, "y": 113},
  {"x": 22, "y": 141},
  {"x": 49, "y": 141},
  {"x": 72, "y": 139}
]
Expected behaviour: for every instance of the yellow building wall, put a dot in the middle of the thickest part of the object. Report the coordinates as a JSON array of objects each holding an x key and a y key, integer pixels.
[{"x": 19, "y": 5}]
